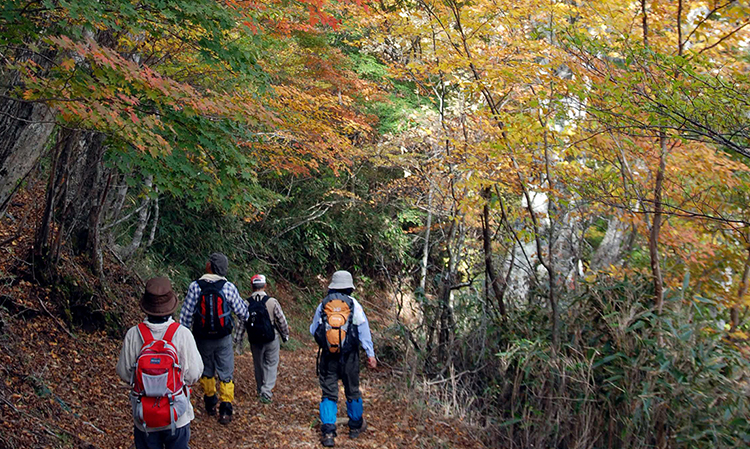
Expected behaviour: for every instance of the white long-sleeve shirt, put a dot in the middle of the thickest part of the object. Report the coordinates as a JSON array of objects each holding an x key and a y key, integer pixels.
[{"x": 187, "y": 353}]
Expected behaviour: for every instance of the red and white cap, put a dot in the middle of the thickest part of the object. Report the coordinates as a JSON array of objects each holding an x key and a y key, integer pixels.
[{"x": 258, "y": 279}]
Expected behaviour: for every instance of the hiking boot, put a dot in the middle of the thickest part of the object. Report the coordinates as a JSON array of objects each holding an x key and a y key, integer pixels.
[
  {"x": 264, "y": 399},
  {"x": 225, "y": 413},
  {"x": 327, "y": 440},
  {"x": 354, "y": 433},
  {"x": 210, "y": 403}
]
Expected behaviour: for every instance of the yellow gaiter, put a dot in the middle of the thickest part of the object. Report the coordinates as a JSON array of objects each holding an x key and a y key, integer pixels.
[
  {"x": 226, "y": 391},
  {"x": 209, "y": 385}
]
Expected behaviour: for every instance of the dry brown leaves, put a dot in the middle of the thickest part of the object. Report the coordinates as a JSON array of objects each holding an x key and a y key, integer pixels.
[{"x": 59, "y": 389}]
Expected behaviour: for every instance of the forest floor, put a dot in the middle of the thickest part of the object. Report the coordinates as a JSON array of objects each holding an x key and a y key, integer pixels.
[{"x": 59, "y": 387}]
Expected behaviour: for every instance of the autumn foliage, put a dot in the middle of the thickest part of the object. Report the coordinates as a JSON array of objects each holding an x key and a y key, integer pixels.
[{"x": 554, "y": 194}]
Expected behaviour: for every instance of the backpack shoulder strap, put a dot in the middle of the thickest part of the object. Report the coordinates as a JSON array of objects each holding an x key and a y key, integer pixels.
[
  {"x": 171, "y": 330},
  {"x": 207, "y": 286},
  {"x": 145, "y": 332},
  {"x": 341, "y": 297},
  {"x": 265, "y": 299}
]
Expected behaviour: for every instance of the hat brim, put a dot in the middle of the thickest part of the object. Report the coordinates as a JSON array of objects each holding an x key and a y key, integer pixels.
[
  {"x": 165, "y": 309},
  {"x": 342, "y": 286}
]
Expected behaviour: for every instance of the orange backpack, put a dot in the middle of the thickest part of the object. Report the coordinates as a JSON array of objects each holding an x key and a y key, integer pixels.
[{"x": 335, "y": 332}]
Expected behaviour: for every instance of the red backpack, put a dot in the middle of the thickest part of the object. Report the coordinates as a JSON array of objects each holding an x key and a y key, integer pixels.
[{"x": 159, "y": 396}]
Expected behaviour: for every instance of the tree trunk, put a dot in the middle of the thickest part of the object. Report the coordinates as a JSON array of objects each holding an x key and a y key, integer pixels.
[
  {"x": 86, "y": 184},
  {"x": 45, "y": 251},
  {"x": 75, "y": 195},
  {"x": 610, "y": 249},
  {"x": 96, "y": 190},
  {"x": 734, "y": 314},
  {"x": 547, "y": 264},
  {"x": 25, "y": 127},
  {"x": 154, "y": 221},
  {"x": 653, "y": 241},
  {"x": 128, "y": 251},
  {"x": 644, "y": 22},
  {"x": 41, "y": 240},
  {"x": 94, "y": 245},
  {"x": 498, "y": 290},
  {"x": 679, "y": 28},
  {"x": 114, "y": 209},
  {"x": 445, "y": 317},
  {"x": 24, "y": 132},
  {"x": 447, "y": 320},
  {"x": 426, "y": 251},
  {"x": 122, "y": 193}
]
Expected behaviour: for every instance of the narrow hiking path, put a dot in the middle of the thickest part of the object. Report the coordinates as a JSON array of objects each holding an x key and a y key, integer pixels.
[
  {"x": 59, "y": 389},
  {"x": 291, "y": 420}
]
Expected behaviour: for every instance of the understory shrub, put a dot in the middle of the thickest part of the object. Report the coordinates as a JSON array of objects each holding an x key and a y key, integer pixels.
[{"x": 624, "y": 376}]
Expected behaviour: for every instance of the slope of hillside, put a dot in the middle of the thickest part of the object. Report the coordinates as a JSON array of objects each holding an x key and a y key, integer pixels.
[{"x": 60, "y": 389}]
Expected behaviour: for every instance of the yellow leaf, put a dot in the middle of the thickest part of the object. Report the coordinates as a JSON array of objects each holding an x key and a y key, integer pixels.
[{"x": 68, "y": 64}]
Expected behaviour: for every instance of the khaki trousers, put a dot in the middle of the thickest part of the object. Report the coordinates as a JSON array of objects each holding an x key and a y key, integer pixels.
[{"x": 266, "y": 363}]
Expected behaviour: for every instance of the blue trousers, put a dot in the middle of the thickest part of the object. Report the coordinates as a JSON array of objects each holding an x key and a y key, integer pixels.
[{"x": 162, "y": 439}]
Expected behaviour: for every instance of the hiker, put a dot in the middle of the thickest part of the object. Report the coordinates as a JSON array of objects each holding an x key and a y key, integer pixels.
[
  {"x": 208, "y": 309},
  {"x": 150, "y": 347},
  {"x": 265, "y": 327},
  {"x": 339, "y": 327}
]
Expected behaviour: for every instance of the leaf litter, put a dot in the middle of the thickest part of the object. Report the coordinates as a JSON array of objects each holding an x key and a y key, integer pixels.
[{"x": 59, "y": 387}]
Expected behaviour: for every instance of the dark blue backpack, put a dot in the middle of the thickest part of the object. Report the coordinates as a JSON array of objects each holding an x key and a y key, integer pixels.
[
  {"x": 212, "y": 318},
  {"x": 258, "y": 325}
]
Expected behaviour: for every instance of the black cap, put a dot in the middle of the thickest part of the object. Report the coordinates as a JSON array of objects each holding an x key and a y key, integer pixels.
[{"x": 219, "y": 263}]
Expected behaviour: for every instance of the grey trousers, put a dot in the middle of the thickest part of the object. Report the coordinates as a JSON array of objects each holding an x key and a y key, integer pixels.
[
  {"x": 266, "y": 362},
  {"x": 218, "y": 357}
]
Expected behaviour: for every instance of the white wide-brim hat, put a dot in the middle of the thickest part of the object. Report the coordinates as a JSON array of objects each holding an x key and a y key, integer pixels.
[{"x": 340, "y": 280}]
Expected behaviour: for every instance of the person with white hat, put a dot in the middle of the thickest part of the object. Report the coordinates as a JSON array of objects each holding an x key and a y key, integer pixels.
[
  {"x": 266, "y": 315},
  {"x": 340, "y": 327}
]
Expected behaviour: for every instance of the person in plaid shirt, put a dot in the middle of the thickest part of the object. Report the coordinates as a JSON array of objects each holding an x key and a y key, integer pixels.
[
  {"x": 207, "y": 309},
  {"x": 265, "y": 355}
]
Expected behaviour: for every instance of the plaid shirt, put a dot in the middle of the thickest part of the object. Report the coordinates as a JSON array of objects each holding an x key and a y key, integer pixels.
[
  {"x": 277, "y": 319},
  {"x": 230, "y": 293}
]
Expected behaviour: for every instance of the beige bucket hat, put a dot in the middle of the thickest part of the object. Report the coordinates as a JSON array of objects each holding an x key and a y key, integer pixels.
[{"x": 340, "y": 280}]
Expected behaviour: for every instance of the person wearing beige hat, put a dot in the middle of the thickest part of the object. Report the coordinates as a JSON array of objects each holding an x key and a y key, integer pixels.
[
  {"x": 340, "y": 327},
  {"x": 159, "y": 303}
]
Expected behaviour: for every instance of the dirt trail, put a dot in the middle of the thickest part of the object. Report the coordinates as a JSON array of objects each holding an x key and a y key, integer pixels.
[
  {"x": 291, "y": 420},
  {"x": 58, "y": 387},
  {"x": 61, "y": 391}
]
